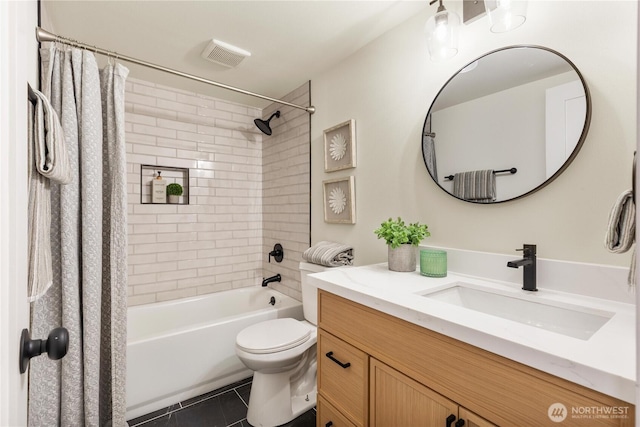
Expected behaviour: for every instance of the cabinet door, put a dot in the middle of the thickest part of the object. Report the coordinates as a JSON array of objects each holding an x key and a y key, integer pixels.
[
  {"x": 397, "y": 400},
  {"x": 343, "y": 377},
  {"x": 328, "y": 416},
  {"x": 473, "y": 420}
]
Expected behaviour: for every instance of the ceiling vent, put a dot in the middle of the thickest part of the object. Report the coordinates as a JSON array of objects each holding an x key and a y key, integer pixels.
[{"x": 224, "y": 54}]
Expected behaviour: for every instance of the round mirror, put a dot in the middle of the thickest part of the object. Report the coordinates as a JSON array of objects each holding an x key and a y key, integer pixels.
[{"x": 506, "y": 125}]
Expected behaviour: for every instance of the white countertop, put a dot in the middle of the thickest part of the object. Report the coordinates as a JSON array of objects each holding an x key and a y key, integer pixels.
[{"x": 605, "y": 362}]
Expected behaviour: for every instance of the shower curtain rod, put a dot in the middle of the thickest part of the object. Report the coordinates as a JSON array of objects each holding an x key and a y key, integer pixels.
[{"x": 46, "y": 36}]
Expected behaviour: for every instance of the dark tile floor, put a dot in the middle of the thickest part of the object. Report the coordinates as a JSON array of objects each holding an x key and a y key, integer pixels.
[{"x": 225, "y": 407}]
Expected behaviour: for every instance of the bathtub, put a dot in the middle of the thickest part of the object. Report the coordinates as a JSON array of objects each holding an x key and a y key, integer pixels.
[{"x": 181, "y": 349}]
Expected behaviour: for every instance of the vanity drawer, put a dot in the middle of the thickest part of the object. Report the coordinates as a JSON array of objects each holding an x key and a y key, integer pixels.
[
  {"x": 328, "y": 416},
  {"x": 343, "y": 377}
]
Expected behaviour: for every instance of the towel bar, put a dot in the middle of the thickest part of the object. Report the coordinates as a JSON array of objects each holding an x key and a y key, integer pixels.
[{"x": 511, "y": 171}]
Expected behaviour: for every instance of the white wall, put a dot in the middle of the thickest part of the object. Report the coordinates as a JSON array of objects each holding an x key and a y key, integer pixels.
[{"x": 388, "y": 86}]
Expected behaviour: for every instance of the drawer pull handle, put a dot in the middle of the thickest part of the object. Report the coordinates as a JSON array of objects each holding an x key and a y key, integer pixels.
[
  {"x": 343, "y": 365},
  {"x": 459, "y": 423},
  {"x": 450, "y": 419},
  {"x": 329, "y": 424}
]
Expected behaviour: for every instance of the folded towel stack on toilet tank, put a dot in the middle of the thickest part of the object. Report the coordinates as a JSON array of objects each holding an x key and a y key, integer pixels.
[{"x": 330, "y": 254}]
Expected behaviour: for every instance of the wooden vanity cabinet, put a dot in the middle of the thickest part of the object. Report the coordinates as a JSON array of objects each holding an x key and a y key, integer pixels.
[
  {"x": 406, "y": 375},
  {"x": 397, "y": 400},
  {"x": 328, "y": 416},
  {"x": 344, "y": 377}
]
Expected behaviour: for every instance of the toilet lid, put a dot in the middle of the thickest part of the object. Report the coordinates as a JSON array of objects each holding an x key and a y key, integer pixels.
[{"x": 272, "y": 336}]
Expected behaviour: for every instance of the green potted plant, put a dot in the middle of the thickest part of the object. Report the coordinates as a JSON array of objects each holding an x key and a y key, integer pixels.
[
  {"x": 402, "y": 241},
  {"x": 174, "y": 191}
]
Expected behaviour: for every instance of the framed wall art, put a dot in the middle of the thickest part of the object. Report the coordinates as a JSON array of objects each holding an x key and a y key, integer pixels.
[
  {"x": 340, "y": 146},
  {"x": 339, "y": 200}
]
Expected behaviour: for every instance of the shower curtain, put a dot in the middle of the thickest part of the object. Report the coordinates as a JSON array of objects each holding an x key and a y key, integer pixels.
[{"x": 89, "y": 244}]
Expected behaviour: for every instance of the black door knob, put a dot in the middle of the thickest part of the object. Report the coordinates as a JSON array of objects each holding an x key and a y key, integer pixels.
[{"x": 56, "y": 346}]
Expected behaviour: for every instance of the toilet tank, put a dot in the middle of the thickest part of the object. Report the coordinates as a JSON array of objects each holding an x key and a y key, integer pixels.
[{"x": 310, "y": 292}]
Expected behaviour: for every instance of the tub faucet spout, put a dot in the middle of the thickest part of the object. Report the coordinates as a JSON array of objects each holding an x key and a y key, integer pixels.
[
  {"x": 276, "y": 278},
  {"x": 528, "y": 261}
]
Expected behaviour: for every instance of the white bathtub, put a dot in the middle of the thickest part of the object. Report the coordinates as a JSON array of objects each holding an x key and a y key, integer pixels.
[{"x": 181, "y": 349}]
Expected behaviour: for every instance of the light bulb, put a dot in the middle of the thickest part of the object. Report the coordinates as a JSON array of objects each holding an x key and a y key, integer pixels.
[
  {"x": 505, "y": 15},
  {"x": 441, "y": 31}
]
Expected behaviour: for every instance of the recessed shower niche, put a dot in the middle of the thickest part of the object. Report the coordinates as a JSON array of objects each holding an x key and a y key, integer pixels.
[{"x": 155, "y": 178}]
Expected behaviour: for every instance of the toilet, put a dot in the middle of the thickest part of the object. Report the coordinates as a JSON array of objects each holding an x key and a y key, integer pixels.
[{"x": 282, "y": 354}]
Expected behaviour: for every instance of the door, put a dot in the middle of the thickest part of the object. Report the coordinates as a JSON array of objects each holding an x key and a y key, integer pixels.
[
  {"x": 397, "y": 400},
  {"x": 566, "y": 108},
  {"x": 18, "y": 62},
  {"x": 473, "y": 420},
  {"x": 636, "y": 178}
]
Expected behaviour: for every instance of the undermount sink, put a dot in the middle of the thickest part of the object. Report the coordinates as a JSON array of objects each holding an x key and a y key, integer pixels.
[{"x": 574, "y": 321}]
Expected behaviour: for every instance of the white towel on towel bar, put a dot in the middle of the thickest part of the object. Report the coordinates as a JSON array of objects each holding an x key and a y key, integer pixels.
[
  {"x": 621, "y": 230},
  {"x": 48, "y": 160},
  {"x": 329, "y": 254}
]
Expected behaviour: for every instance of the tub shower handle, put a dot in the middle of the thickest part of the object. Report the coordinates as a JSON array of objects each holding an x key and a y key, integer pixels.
[
  {"x": 342, "y": 365},
  {"x": 277, "y": 253}
]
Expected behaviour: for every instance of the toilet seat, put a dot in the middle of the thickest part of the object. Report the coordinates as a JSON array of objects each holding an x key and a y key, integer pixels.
[{"x": 273, "y": 336}]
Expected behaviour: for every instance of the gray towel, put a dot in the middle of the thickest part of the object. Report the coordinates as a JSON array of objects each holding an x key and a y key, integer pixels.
[
  {"x": 479, "y": 186},
  {"x": 429, "y": 155},
  {"x": 329, "y": 254},
  {"x": 48, "y": 161},
  {"x": 621, "y": 230}
]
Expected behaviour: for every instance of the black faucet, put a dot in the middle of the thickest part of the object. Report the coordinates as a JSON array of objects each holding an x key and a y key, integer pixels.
[
  {"x": 276, "y": 278},
  {"x": 528, "y": 261}
]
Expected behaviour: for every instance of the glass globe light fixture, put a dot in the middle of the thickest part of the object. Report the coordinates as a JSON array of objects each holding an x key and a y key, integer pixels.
[
  {"x": 505, "y": 15},
  {"x": 441, "y": 31}
]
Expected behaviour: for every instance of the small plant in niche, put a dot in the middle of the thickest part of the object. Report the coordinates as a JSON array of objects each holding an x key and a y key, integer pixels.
[
  {"x": 174, "y": 191},
  {"x": 396, "y": 232}
]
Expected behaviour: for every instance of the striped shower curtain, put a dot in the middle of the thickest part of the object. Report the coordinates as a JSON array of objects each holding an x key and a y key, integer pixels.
[{"x": 89, "y": 243}]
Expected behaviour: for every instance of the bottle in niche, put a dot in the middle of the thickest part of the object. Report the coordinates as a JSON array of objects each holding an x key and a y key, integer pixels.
[{"x": 158, "y": 189}]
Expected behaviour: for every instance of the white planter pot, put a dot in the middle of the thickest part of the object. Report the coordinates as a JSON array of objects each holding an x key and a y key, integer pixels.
[
  {"x": 403, "y": 258},
  {"x": 174, "y": 199}
]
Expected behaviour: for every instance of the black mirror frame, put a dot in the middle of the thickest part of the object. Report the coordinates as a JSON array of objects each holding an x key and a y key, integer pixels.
[{"x": 565, "y": 165}]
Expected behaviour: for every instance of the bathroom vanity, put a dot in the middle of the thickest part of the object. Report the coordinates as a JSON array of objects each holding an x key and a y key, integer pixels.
[{"x": 390, "y": 352}]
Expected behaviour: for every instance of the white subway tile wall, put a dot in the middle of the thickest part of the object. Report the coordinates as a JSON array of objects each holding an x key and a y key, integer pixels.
[
  {"x": 286, "y": 191},
  {"x": 246, "y": 191}
]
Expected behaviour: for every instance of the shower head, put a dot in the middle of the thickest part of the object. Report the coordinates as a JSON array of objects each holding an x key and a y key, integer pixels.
[{"x": 263, "y": 125}]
